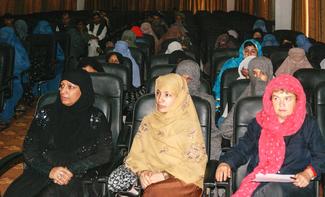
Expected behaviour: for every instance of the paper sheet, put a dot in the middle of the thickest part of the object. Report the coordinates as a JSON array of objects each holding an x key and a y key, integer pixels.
[{"x": 274, "y": 178}]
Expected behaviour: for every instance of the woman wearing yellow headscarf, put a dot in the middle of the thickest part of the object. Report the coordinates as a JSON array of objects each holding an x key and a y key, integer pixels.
[{"x": 168, "y": 152}]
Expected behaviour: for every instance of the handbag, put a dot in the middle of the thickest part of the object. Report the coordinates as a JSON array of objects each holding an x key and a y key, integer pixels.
[{"x": 121, "y": 179}]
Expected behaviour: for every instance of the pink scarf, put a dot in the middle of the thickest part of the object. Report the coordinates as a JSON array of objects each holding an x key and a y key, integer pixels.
[{"x": 271, "y": 149}]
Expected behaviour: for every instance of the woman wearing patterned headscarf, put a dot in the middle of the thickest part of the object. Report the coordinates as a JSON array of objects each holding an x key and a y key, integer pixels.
[
  {"x": 296, "y": 60},
  {"x": 168, "y": 152},
  {"x": 282, "y": 139}
]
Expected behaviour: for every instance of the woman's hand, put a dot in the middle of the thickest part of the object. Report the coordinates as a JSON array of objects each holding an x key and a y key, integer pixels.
[
  {"x": 302, "y": 179},
  {"x": 60, "y": 175},
  {"x": 145, "y": 178},
  {"x": 223, "y": 172},
  {"x": 157, "y": 177}
]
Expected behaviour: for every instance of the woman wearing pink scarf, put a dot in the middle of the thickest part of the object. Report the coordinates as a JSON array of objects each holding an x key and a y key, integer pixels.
[{"x": 281, "y": 139}]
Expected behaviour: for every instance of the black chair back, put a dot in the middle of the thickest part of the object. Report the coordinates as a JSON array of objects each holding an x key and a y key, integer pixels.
[
  {"x": 229, "y": 76},
  {"x": 110, "y": 87},
  {"x": 159, "y": 60},
  {"x": 235, "y": 90},
  {"x": 245, "y": 111},
  {"x": 7, "y": 55},
  {"x": 320, "y": 106},
  {"x": 220, "y": 55},
  {"x": 120, "y": 71},
  {"x": 277, "y": 58},
  {"x": 309, "y": 79},
  {"x": 162, "y": 69},
  {"x": 146, "y": 105}
]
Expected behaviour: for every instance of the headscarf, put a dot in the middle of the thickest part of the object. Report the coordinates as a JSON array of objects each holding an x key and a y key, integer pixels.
[
  {"x": 122, "y": 48},
  {"x": 233, "y": 63},
  {"x": 233, "y": 33},
  {"x": 171, "y": 141},
  {"x": 322, "y": 64},
  {"x": 137, "y": 31},
  {"x": 118, "y": 55},
  {"x": 71, "y": 126},
  {"x": 21, "y": 28},
  {"x": 91, "y": 62},
  {"x": 260, "y": 24},
  {"x": 224, "y": 41},
  {"x": 271, "y": 145},
  {"x": 244, "y": 64},
  {"x": 303, "y": 42},
  {"x": 174, "y": 46},
  {"x": 255, "y": 87},
  {"x": 269, "y": 40},
  {"x": 296, "y": 60},
  {"x": 44, "y": 27},
  {"x": 129, "y": 37},
  {"x": 146, "y": 29},
  {"x": 8, "y": 36}
]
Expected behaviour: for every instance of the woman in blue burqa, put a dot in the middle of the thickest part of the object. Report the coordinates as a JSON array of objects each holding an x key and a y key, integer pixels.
[{"x": 21, "y": 63}]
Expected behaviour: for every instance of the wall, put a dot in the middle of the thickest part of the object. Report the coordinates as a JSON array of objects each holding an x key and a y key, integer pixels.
[{"x": 283, "y": 14}]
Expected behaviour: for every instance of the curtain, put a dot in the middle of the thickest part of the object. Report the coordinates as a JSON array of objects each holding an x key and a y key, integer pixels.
[
  {"x": 246, "y": 6},
  {"x": 144, "y": 5},
  {"x": 264, "y": 9},
  {"x": 316, "y": 18},
  {"x": 30, "y": 6}
]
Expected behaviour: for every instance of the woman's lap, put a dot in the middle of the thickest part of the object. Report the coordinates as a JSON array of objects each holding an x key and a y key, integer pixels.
[{"x": 172, "y": 187}]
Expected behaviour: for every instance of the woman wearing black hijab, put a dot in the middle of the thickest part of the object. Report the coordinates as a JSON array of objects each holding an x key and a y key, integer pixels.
[{"x": 65, "y": 139}]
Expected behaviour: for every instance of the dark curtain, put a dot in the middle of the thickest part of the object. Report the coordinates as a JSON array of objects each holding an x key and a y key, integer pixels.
[
  {"x": 258, "y": 8},
  {"x": 30, "y": 6},
  {"x": 144, "y": 5}
]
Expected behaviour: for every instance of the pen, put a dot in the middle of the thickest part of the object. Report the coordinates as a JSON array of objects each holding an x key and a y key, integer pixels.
[{"x": 292, "y": 177}]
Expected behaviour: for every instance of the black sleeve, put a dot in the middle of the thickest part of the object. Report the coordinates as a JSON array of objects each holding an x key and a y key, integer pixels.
[
  {"x": 32, "y": 145},
  {"x": 103, "y": 151},
  {"x": 246, "y": 146}
]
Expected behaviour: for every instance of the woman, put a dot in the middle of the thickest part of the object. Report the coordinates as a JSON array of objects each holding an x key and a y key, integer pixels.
[
  {"x": 225, "y": 41},
  {"x": 282, "y": 139},
  {"x": 168, "y": 152},
  {"x": 90, "y": 65},
  {"x": 248, "y": 48},
  {"x": 65, "y": 139},
  {"x": 114, "y": 58},
  {"x": 303, "y": 42},
  {"x": 296, "y": 60},
  {"x": 190, "y": 70},
  {"x": 21, "y": 29},
  {"x": 129, "y": 37},
  {"x": 122, "y": 48},
  {"x": 146, "y": 29},
  {"x": 260, "y": 24},
  {"x": 44, "y": 27},
  {"x": 269, "y": 40},
  {"x": 260, "y": 72},
  {"x": 137, "y": 31},
  {"x": 21, "y": 63}
]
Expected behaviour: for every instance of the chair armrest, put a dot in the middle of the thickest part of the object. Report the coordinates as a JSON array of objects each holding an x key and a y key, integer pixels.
[
  {"x": 9, "y": 161},
  {"x": 209, "y": 176}
]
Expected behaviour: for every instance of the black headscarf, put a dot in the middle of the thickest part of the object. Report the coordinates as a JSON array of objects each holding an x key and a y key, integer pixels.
[
  {"x": 118, "y": 55},
  {"x": 71, "y": 128},
  {"x": 91, "y": 62}
]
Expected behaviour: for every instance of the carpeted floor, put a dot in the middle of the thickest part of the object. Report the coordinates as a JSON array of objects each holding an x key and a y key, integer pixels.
[{"x": 11, "y": 141}]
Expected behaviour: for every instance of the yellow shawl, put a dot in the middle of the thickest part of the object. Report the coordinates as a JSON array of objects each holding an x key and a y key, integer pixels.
[{"x": 171, "y": 141}]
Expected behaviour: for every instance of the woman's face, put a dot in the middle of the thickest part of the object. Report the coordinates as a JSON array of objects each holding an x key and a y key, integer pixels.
[
  {"x": 164, "y": 99},
  {"x": 250, "y": 51},
  {"x": 113, "y": 59},
  {"x": 257, "y": 35},
  {"x": 284, "y": 104},
  {"x": 89, "y": 69},
  {"x": 69, "y": 93},
  {"x": 259, "y": 74}
]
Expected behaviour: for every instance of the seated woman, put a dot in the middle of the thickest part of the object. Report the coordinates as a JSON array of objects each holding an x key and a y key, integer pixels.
[
  {"x": 129, "y": 37},
  {"x": 260, "y": 71},
  {"x": 269, "y": 40},
  {"x": 114, "y": 58},
  {"x": 282, "y": 139},
  {"x": 146, "y": 29},
  {"x": 21, "y": 63},
  {"x": 190, "y": 70},
  {"x": 122, "y": 47},
  {"x": 248, "y": 48},
  {"x": 296, "y": 60},
  {"x": 168, "y": 152},
  {"x": 65, "y": 139},
  {"x": 90, "y": 65},
  {"x": 303, "y": 42}
]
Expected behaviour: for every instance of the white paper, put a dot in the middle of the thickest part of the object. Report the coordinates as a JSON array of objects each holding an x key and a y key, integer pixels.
[{"x": 284, "y": 178}]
